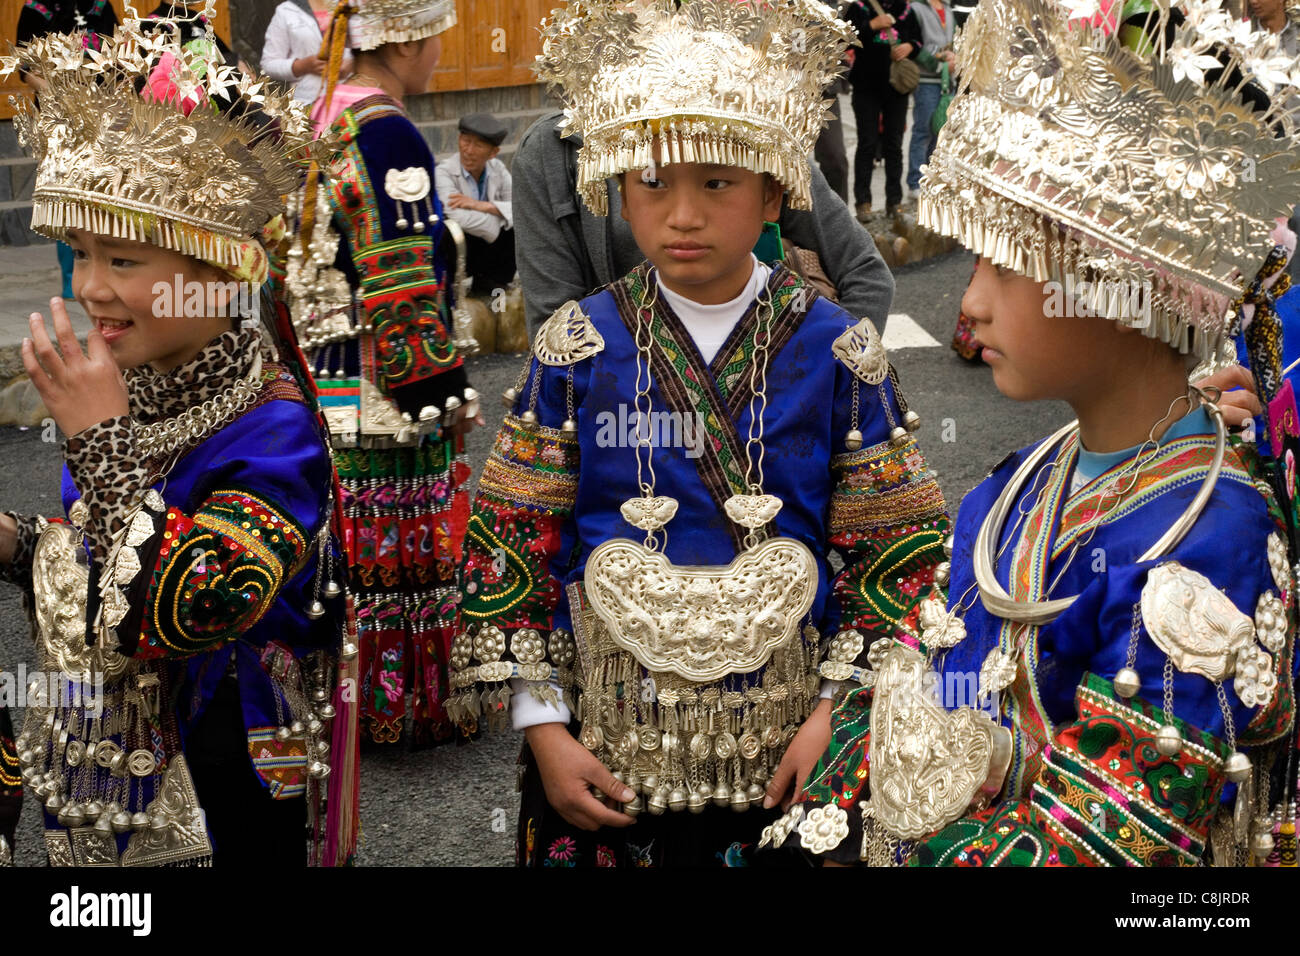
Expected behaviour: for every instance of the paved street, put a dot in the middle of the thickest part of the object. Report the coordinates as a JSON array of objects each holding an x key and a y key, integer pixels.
[{"x": 455, "y": 805}]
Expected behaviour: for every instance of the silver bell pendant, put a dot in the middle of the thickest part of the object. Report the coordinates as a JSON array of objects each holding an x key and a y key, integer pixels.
[
  {"x": 898, "y": 434},
  {"x": 331, "y": 589},
  {"x": 658, "y": 802},
  {"x": 509, "y": 397},
  {"x": 853, "y": 440},
  {"x": 911, "y": 421},
  {"x": 1238, "y": 767},
  {"x": 1169, "y": 741},
  {"x": 315, "y": 610},
  {"x": 1261, "y": 844},
  {"x": 569, "y": 426},
  {"x": 1127, "y": 683}
]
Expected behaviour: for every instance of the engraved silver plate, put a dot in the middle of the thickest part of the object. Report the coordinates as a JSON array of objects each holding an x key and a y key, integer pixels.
[
  {"x": 568, "y": 336},
  {"x": 183, "y": 835},
  {"x": 1193, "y": 622},
  {"x": 60, "y": 586},
  {"x": 702, "y": 622},
  {"x": 928, "y": 765},
  {"x": 862, "y": 352},
  {"x": 407, "y": 185}
]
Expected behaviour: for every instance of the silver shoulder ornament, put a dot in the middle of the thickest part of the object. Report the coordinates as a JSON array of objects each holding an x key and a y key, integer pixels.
[
  {"x": 862, "y": 352},
  {"x": 567, "y": 337},
  {"x": 1203, "y": 632}
]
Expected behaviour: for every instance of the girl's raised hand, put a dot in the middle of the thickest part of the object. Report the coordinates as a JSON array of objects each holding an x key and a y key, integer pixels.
[{"x": 80, "y": 389}]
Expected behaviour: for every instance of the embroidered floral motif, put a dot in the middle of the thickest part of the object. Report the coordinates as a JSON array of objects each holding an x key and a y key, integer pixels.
[{"x": 563, "y": 852}]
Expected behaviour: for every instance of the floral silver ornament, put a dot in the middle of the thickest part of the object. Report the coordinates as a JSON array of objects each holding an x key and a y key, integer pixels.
[
  {"x": 563, "y": 650},
  {"x": 489, "y": 644},
  {"x": 527, "y": 646},
  {"x": 462, "y": 648},
  {"x": 879, "y": 649},
  {"x": 1270, "y": 621},
  {"x": 841, "y": 652},
  {"x": 1255, "y": 682},
  {"x": 824, "y": 828}
]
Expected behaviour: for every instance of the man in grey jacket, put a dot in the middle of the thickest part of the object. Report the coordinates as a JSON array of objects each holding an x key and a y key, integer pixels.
[{"x": 564, "y": 252}]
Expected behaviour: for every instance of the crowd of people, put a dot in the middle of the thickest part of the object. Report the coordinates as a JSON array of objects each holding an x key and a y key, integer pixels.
[{"x": 747, "y": 629}]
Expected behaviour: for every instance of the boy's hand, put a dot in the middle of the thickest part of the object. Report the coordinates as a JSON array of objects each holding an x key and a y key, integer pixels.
[
  {"x": 901, "y": 52},
  {"x": 79, "y": 389},
  {"x": 800, "y": 757},
  {"x": 568, "y": 769},
  {"x": 881, "y": 21},
  {"x": 1242, "y": 402}
]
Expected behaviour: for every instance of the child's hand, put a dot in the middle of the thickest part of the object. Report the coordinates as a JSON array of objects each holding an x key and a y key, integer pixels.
[
  {"x": 800, "y": 757},
  {"x": 568, "y": 769},
  {"x": 80, "y": 390},
  {"x": 1239, "y": 404}
]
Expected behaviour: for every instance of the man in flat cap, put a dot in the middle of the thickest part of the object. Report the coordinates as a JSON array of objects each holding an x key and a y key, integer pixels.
[{"x": 475, "y": 188}]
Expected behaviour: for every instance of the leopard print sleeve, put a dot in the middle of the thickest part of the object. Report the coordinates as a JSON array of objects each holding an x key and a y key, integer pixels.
[
  {"x": 19, "y": 570},
  {"x": 107, "y": 470}
]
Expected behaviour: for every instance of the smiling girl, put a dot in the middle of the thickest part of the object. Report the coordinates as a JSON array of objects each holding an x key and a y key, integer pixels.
[{"x": 191, "y": 575}]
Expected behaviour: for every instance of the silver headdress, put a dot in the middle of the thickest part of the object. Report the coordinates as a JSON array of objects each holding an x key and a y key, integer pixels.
[
  {"x": 735, "y": 82},
  {"x": 1132, "y": 157},
  {"x": 376, "y": 22}
]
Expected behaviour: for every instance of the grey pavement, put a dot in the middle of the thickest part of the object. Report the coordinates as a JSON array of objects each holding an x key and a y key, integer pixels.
[
  {"x": 456, "y": 805},
  {"x": 29, "y": 276}
]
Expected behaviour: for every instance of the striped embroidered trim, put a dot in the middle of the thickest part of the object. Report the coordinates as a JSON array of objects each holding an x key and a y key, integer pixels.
[
  {"x": 883, "y": 485},
  {"x": 1086, "y": 780},
  {"x": 532, "y": 467},
  {"x": 1085, "y": 839},
  {"x": 1186, "y": 462}
]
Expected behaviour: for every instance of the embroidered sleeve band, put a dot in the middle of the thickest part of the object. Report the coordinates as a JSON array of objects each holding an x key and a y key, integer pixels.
[
  {"x": 216, "y": 573},
  {"x": 508, "y": 579}
]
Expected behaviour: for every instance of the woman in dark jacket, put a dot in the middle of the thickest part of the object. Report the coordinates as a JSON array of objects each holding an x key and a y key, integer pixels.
[{"x": 892, "y": 35}]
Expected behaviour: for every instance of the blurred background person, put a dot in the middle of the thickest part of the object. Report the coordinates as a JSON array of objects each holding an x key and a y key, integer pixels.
[
  {"x": 937, "y": 28},
  {"x": 291, "y": 52},
  {"x": 888, "y": 30},
  {"x": 475, "y": 188}
]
